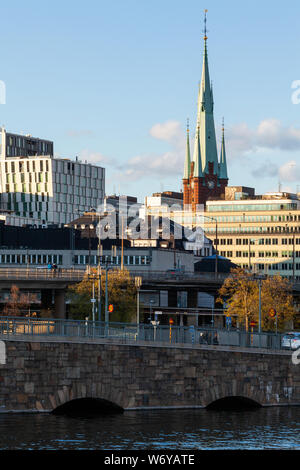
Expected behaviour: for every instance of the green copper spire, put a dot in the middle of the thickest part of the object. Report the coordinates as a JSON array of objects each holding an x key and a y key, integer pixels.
[
  {"x": 205, "y": 118},
  {"x": 223, "y": 164},
  {"x": 198, "y": 172},
  {"x": 187, "y": 164}
]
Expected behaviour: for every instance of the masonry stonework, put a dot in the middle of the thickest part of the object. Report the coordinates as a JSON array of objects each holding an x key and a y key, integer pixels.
[{"x": 40, "y": 376}]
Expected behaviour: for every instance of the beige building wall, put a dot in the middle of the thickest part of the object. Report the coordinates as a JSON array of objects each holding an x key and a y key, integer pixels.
[{"x": 263, "y": 236}]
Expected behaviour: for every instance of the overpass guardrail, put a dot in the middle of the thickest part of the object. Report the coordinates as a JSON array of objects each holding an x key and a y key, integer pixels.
[
  {"x": 20, "y": 327},
  {"x": 41, "y": 273}
]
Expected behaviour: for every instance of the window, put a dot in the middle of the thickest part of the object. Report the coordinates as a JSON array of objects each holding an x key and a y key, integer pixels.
[
  {"x": 182, "y": 299},
  {"x": 163, "y": 302}
]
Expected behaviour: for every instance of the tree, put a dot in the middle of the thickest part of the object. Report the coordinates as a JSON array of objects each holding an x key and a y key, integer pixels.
[
  {"x": 18, "y": 303},
  {"x": 240, "y": 295},
  {"x": 121, "y": 293}
]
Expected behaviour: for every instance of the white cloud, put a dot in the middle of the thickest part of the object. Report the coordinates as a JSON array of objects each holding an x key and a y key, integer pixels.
[
  {"x": 270, "y": 134},
  {"x": 241, "y": 141},
  {"x": 290, "y": 171},
  {"x": 96, "y": 157},
  {"x": 169, "y": 131},
  {"x": 266, "y": 170},
  {"x": 158, "y": 165}
]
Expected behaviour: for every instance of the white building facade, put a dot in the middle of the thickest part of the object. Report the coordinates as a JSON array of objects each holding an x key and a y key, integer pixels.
[{"x": 47, "y": 189}]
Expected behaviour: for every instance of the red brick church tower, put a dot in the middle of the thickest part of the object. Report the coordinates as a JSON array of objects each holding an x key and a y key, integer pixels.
[{"x": 204, "y": 176}]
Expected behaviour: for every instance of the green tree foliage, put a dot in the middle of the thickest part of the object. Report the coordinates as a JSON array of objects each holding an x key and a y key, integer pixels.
[
  {"x": 240, "y": 294},
  {"x": 121, "y": 294}
]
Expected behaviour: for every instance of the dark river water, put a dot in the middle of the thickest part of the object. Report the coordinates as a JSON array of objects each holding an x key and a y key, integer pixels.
[{"x": 264, "y": 428}]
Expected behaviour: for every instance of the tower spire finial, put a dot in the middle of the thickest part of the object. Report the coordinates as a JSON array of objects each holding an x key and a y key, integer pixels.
[
  {"x": 187, "y": 163},
  {"x": 223, "y": 164},
  {"x": 205, "y": 21}
]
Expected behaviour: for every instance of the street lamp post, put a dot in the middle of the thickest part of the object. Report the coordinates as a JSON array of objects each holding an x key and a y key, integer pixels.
[
  {"x": 99, "y": 291},
  {"x": 294, "y": 257},
  {"x": 93, "y": 301},
  {"x": 259, "y": 306},
  {"x": 138, "y": 283},
  {"x": 151, "y": 302},
  {"x": 106, "y": 296},
  {"x": 259, "y": 279}
]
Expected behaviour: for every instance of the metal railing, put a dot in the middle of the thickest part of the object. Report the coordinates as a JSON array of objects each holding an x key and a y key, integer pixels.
[
  {"x": 17, "y": 327},
  {"x": 39, "y": 273},
  {"x": 179, "y": 275},
  {"x": 77, "y": 274}
]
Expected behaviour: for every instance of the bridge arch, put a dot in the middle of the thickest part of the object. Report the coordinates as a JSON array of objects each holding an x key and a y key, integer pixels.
[
  {"x": 88, "y": 406},
  {"x": 85, "y": 395},
  {"x": 233, "y": 403}
]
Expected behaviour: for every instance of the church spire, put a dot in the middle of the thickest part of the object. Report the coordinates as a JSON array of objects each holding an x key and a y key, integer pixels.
[
  {"x": 205, "y": 118},
  {"x": 205, "y": 176},
  {"x": 187, "y": 164},
  {"x": 223, "y": 162},
  {"x": 198, "y": 172}
]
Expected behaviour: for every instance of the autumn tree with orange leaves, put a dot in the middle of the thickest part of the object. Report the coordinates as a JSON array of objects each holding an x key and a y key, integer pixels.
[{"x": 240, "y": 296}]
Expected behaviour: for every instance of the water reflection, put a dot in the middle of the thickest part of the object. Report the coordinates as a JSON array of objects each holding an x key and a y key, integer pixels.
[{"x": 264, "y": 428}]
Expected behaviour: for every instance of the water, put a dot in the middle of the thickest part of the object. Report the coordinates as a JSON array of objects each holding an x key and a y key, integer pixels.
[{"x": 264, "y": 428}]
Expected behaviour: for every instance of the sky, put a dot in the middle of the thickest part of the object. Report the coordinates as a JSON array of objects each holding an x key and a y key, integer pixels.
[{"x": 115, "y": 82}]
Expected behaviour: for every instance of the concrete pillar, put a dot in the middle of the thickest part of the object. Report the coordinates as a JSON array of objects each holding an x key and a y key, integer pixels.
[
  {"x": 46, "y": 303},
  {"x": 59, "y": 304}
]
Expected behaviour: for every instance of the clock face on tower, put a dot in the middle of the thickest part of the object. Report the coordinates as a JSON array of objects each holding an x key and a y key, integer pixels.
[{"x": 211, "y": 184}]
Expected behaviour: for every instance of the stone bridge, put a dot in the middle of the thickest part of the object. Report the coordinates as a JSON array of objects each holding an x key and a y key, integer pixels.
[{"x": 42, "y": 375}]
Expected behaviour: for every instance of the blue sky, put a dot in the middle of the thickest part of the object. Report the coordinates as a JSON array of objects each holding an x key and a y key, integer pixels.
[{"x": 114, "y": 83}]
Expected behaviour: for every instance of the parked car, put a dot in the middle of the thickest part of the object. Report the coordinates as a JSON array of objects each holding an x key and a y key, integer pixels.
[{"x": 291, "y": 340}]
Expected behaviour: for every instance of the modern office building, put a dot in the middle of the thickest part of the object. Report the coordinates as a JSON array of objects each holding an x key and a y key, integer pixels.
[
  {"x": 259, "y": 233},
  {"x": 18, "y": 145},
  {"x": 38, "y": 187}
]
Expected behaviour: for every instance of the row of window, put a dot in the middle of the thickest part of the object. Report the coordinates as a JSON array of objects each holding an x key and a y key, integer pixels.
[
  {"x": 28, "y": 177},
  {"x": 275, "y": 267},
  {"x": 63, "y": 167},
  {"x": 115, "y": 260},
  {"x": 254, "y": 230},
  {"x": 61, "y": 178},
  {"x": 28, "y": 207},
  {"x": 25, "y": 197},
  {"x": 261, "y": 241},
  {"x": 78, "y": 169},
  {"x": 260, "y": 254},
  {"x": 257, "y": 218},
  {"x": 28, "y": 165},
  {"x": 27, "y": 188},
  {"x": 83, "y": 190},
  {"x": 31, "y": 259},
  {"x": 252, "y": 207},
  {"x": 161, "y": 299}
]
